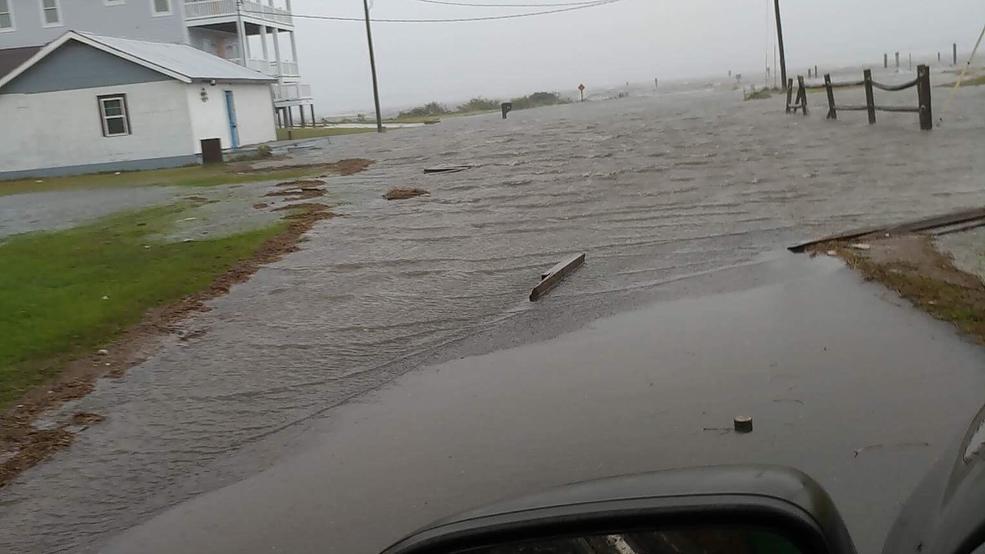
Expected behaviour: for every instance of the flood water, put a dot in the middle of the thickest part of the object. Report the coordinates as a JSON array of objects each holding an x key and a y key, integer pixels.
[{"x": 652, "y": 188}]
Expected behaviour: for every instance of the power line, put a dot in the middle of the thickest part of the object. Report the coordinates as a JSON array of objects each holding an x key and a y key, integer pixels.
[
  {"x": 593, "y": 4},
  {"x": 473, "y": 5}
]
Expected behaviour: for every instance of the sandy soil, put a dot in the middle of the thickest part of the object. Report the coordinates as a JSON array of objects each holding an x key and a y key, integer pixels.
[
  {"x": 967, "y": 249},
  {"x": 913, "y": 266}
]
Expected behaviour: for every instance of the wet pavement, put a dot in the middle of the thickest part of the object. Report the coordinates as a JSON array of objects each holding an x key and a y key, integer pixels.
[
  {"x": 656, "y": 190},
  {"x": 842, "y": 379}
]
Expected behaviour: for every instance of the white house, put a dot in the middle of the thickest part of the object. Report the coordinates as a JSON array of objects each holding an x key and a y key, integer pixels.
[
  {"x": 86, "y": 103},
  {"x": 258, "y": 34}
]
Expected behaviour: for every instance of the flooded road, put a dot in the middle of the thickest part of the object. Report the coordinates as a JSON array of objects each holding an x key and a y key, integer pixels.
[
  {"x": 843, "y": 381},
  {"x": 653, "y": 189}
]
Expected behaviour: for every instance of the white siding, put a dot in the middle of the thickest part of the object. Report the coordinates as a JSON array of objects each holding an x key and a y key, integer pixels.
[
  {"x": 254, "y": 112},
  {"x": 131, "y": 19},
  {"x": 63, "y": 128}
]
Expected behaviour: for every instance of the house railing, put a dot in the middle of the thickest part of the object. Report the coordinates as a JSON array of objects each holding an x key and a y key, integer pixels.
[
  {"x": 293, "y": 91},
  {"x": 204, "y": 9},
  {"x": 921, "y": 83},
  {"x": 288, "y": 69}
]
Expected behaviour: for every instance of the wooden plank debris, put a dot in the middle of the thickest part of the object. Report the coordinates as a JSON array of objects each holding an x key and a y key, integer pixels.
[
  {"x": 946, "y": 220},
  {"x": 553, "y": 276},
  {"x": 447, "y": 168}
]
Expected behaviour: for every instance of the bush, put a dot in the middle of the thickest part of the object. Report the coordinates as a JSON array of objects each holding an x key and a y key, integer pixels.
[
  {"x": 479, "y": 104},
  {"x": 539, "y": 99},
  {"x": 432, "y": 108}
]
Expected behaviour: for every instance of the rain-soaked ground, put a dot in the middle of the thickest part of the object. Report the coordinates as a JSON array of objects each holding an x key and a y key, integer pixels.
[
  {"x": 653, "y": 189},
  {"x": 843, "y": 380}
]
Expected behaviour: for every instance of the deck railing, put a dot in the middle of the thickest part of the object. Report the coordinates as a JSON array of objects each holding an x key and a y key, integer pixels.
[
  {"x": 204, "y": 9},
  {"x": 293, "y": 91}
]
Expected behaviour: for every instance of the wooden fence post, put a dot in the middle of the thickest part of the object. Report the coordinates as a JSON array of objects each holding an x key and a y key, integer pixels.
[
  {"x": 923, "y": 93},
  {"x": 832, "y": 114},
  {"x": 789, "y": 93},
  {"x": 802, "y": 94},
  {"x": 870, "y": 102}
]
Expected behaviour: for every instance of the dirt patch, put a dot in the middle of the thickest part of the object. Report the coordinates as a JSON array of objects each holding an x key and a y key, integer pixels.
[
  {"x": 301, "y": 193},
  {"x": 300, "y": 183},
  {"x": 353, "y": 166},
  {"x": 87, "y": 418},
  {"x": 22, "y": 445},
  {"x": 341, "y": 167},
  {"x": 404, "y": 193},
  {"x": 917, "y": 271}
]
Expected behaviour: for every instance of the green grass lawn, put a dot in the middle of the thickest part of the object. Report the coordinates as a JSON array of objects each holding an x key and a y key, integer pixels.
[
  {"x": 191, "y": 176},
  {"x": 425, "y": 119},
  {"x": 53, "y": 283},
  {"x": 315, "y": 132},
  {"x": 432, "y": 119}
]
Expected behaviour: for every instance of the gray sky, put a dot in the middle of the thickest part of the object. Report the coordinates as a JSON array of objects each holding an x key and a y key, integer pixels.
[{"x": 631, "y": 40}]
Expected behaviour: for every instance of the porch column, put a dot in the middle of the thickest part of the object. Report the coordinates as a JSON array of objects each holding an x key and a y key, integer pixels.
[
  {"x": 313, "y": 115},
  {"x": 294, "y": 49},
  {"x": 263, "y": 44},
  {"x": 241, "y": 35},
  {"x": 280, "y": 70},
  {"x": 301, "y": 111}
]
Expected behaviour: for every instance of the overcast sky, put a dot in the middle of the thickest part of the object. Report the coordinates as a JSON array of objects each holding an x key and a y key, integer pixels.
[{"x": 629, "y": 40}]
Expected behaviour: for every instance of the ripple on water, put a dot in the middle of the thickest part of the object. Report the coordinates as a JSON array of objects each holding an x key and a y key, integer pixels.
[{"x": 370, "y": 295}]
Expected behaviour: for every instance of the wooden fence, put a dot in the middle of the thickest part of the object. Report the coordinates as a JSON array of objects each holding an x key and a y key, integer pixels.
[
  {"x": 801, "y": 102},
  {"x": 922, "y": 84}
]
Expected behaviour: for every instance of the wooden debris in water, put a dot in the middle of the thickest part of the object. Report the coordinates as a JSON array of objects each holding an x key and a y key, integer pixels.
[
  {"x": 553, "y": 276},
  {"x": 404, "y": 193},
  {"x": 447, "y": 168}
]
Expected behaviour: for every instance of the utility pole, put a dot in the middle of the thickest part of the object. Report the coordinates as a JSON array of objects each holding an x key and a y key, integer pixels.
[
  {"x": 372, "y": 66},
  {"x": 779, "y": 40}
]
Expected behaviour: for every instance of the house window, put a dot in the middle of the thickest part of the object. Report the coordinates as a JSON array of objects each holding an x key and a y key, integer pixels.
[
  {"x": 161, "y": 7},
  {"x": 113, "y": 113},
  {"x": 6, "y": 16},
  {"x": 51, "y": 13}
]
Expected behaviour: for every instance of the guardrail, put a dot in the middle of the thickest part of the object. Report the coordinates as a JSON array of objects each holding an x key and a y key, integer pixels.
[{"x": 922, "y": 83}]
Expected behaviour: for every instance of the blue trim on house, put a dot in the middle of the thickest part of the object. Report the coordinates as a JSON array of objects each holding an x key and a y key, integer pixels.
[{"x": 129, "y": 165}]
